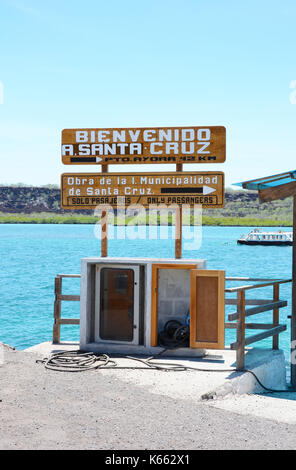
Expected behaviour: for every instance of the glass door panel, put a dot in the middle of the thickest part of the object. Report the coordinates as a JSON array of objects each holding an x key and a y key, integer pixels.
[{"x": 117, "y": 304}]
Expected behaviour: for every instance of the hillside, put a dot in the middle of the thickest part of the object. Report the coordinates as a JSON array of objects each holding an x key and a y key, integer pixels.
[{"x": 29, "y": 200}]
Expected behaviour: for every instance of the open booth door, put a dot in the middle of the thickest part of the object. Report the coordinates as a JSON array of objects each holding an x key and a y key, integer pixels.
[{"x": 207, "y": 307}]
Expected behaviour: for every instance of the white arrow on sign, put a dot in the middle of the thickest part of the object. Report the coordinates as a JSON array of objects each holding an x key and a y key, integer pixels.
[
  {"x": 208, "y": 190},
  {"x": 98, "y": 159}
]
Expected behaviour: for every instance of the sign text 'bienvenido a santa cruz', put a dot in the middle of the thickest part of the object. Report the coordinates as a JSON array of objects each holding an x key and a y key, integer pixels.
[{"x": 144, "y": 145}]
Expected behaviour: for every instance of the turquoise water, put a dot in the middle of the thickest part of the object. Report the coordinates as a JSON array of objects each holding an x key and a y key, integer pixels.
[{"x": 32, "y": 255}]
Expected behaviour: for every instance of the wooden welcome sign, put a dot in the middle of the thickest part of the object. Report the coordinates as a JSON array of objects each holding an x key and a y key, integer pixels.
[
  {"x": 159, "y": 145},
  {"x": 87, "y": 191}
]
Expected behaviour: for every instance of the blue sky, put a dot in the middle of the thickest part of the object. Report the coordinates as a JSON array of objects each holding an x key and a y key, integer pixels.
[{"x": 68, "y": 64}]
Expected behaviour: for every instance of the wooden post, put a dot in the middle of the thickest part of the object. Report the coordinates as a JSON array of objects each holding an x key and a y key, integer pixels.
[
  {"x": 104, "y": 225},
  {"x": 178, "y": 228},
  {"x": 240, "y": 338},
  {"x": 104, "y": 234},
  {"x": 56, "y": 335},
  {"x": 293, "y": 316},
  {"x": 178, "y": 234},
  {"x": 276, "y": 296}
]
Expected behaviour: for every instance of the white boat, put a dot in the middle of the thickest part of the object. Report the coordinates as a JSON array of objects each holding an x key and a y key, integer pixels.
[{"x": 259, "y": 237}]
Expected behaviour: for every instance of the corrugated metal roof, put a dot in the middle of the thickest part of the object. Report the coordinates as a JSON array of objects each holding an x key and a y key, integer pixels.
[{"x": 269, "y": 181}]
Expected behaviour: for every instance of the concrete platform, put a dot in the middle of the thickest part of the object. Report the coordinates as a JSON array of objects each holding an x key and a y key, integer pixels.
[{"x": 217, "y": 379}]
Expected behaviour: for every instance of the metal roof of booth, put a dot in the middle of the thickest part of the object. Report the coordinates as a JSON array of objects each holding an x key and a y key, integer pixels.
[
  {"x": 271, "y": 188},
  {"x": 269, "y": 181}
]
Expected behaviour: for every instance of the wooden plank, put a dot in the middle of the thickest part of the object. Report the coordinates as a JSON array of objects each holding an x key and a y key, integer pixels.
[
  {"x": 157, "y": 145},
  {"x": 104, "y": 225},
  {"x": 178, "y": 224},
  {"x": 104, "y": 234},
  {"x": 261, "y": 308},
  {"x": 250, "y": 326},
  {"x": 276, "y": 296},
  {"x": 69, "y": 321},
  {"x": 230, "y": 326},
  {"x": 154, "y": 306},
  {"x": 74, "y": 298},
  {"x": 278, "y": 192},
  {"x": 69, "y": 275},
  {"x": 59, "y": 297},
  {"x": 88, "y": 191},
  {"x": 248, "y": 279},
  {"x": 178, "y": 233},
  {"x": 248, "y": 301},
  {"x": 265, "y": 334},
  {"x": 255, "y": 286},
  {"x": 240, "y": 332},
  {"x": 259, "y": 326},
  {"x": 56, "y": 334},
  {"x": 207, "y": 309}
]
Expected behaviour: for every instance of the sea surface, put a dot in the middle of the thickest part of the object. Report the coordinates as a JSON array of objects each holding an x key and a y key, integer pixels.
[{"x": 32, "y": 255}]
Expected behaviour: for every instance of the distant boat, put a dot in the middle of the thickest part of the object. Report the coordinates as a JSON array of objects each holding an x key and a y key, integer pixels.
[{"x": 259, "y": 237}]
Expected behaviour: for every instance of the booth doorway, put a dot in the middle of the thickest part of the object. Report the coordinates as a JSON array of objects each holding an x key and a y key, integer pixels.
[
  {"x": 117, "y": 304},
  {"x": 207, "y": 305}
]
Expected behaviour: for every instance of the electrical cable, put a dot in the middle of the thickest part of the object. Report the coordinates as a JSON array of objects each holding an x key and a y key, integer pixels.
[
  {"x": 79, "y": 361},
  {"x": 269, "y": 390},
  {"x": 174, "y": 335}
]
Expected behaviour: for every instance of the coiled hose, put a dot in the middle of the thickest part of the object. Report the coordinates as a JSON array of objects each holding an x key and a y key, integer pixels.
[{"x": 79, "y": 361}]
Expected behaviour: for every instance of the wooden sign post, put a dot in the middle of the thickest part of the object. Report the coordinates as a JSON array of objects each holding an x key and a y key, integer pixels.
[
  {"x": 178, "y": 227},
  {"x": 104, "y": 234},
  {"x": 156, "y": 145},
  {"x": 104, "y": 225},
  {"x": 178, "y": 233},
  {"x": 89, "y": 191}
]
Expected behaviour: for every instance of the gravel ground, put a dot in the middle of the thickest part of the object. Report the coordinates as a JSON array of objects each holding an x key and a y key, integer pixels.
[{"x": 41, "y": 409}]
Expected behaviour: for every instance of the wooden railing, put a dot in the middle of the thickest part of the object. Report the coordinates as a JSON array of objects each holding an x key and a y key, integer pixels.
[
  {"x": 59, "y": 297},
  {"x": 236, "y": 320},
  {"x": 273, "y": 329}
]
